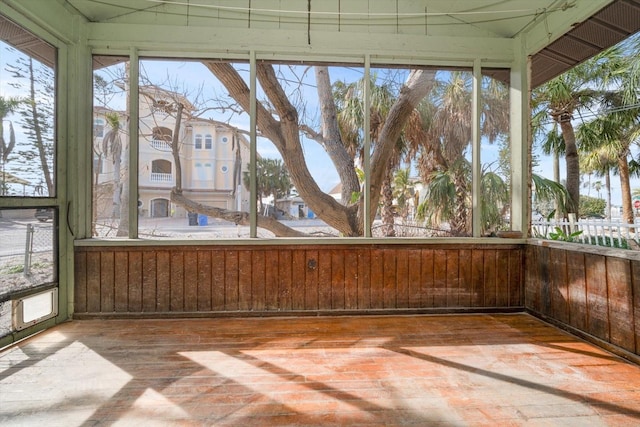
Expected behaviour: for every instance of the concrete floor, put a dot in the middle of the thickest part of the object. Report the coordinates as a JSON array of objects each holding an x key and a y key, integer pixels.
[{"x": 458, "y": 370}]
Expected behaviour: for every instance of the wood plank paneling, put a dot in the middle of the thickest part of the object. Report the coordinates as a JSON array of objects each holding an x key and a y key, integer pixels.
[
  {"x": 600, "y": 291},
  {"x": 337, "y": 280},
  {"x": 350, "y": 280},
  {"x": 202, "y": 279},
  {"x": 619, "y": 295},
  {"x": 377, "y": 278},
  {"x": 107, "y": 284},
  {"x": 389, "y": 291},
  {"x": 93, "y": 282},
  {"x": 190, "y": 281},
  {"x": 311, "y": 281},
  {"x": 121, "y": 288},
  {"x": 298, "y": 267},
  {"x": 477, "y": 278},
  {"x": 163, "y": 303},
  {"x": 176, "y": 288},
  {"x": 439, "y": 278},
  {"x": 428, "y": 282},
  {"x": 364, "y": 279},
  {"x": 285, "y": 277},
  {"x": 324, "y": 280},
  {"x": 577, "y": 289},
  {"x": 414, "y": 279},
  {"x": 258, "y": 288},
  {"x": 402, "y": 278},
  {"x": 217, "y": 280},
  {"x": 489, "y": 274},
  {"x": 597, "y": 304},
  {"x": 271, "y": 280},
  {"x": 80, "y": 276},
  {"x": 231, "y": 280},
  {"x": 502, "y": 278},
  {"x": 544, "y": 302},
  {"x": 452, "y": 288},
  {"x": 245, "y": 280},
  {"x": 465, "y": 283},
  {"x": 149, "y": 297},
  {"x": 635, "y": 286},
  {"x": 515, "y": 280},
  {"x": 135, "y": 281},
  {"x": 558, "y": 288}
]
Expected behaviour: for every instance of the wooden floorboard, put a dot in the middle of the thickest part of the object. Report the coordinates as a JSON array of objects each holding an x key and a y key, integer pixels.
[{"x": 455, "y": 370}]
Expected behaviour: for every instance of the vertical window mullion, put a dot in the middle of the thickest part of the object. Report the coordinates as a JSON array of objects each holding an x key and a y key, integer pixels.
[{"x": 134, "y": 69}]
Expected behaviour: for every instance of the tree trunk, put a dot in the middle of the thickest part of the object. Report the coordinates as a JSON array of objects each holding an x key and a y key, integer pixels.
[
  {"x": 175, "y": 147},
  {"x": 332, "y": 139},
  {"x": 418, "y": 85},
  {"x": 625, "y": 190},
  {"x": 573, "y": 166},
  {"x": 556, "y": 178},
  {"x": 123, "y": 224},
  {"x": 284, "y": 135},
  {"x": 607, "y": 184},
  {"x": 37, "y": 130},
  {"x": 388, "y": 217}
]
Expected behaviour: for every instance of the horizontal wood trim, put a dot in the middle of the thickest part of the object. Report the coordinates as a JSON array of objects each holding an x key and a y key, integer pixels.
[{"x": 316, "y": 279}]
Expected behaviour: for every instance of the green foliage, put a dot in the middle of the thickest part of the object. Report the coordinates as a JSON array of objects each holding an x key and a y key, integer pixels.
[
  {"x": 272, "y": 179},
  {"x": 592, "y": 206},
  {"x": 608, "y": 242},
  {"x": 559, "y": 234}
]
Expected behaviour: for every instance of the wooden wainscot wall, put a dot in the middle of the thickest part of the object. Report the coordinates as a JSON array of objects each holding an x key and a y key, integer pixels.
[
  {"x": 302, "y": 279},
  {"x": 592, "y": 292}
]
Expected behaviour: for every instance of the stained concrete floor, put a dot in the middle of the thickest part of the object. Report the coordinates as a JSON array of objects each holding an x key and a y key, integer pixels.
[{"x": 456, "y": 370}]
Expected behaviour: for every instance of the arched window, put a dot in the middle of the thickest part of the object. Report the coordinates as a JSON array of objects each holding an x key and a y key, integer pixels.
[
  {"x": 161, "y": 171},
  {"x": 161, "y": 139},
  {"x": 198, "y": 142},
  {"x": 208, "y": 142}
]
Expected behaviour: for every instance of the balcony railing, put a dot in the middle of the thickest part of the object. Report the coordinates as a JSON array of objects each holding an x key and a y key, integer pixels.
[
  {"x": 161, "y": 177},
  {"x": 161, "y": 145}
]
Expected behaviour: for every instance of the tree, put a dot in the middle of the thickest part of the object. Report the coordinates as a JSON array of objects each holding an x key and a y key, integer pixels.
[
  {"x": 112, "y": 149},
  {"x": 447, "y": 123},
  {"x": 272, "y": 180},
  {"x": 37, "y": 112},
  {"x": 279, "y": 122},
  {"x": 403, "y": 191},
  {"x": 7, "y": 107},
  {"x": 613, "y": 132},
  {"x": 560, "y": 99}
]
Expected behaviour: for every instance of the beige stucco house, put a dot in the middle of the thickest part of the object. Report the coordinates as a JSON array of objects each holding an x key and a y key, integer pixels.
[{"x": 213, "y": 157}]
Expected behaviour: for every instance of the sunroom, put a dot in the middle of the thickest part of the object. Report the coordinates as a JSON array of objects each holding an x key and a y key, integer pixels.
[{"x": 297, "y": 212}]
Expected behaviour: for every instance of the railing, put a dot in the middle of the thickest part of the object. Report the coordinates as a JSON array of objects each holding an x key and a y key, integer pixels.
[
  {"x": 161, "y": 177},
  {"x": 161, "y": 145},
  {"x": 598, "y": 232}
]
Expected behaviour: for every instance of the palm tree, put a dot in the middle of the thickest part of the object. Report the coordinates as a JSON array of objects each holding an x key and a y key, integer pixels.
[
  {"x": 403, "y": 190},
  {"x": 601, "y": 162},
  {"x": 7, "y": 106},
  {"x": 112, "y": 148},
  {"x": 442, "y": 163},
  {"x": 618, "y": 127},
  {"x": 350, "y": 107},
  {"x": 272, "y": 180},
  {"x": 560, "y": 99}
]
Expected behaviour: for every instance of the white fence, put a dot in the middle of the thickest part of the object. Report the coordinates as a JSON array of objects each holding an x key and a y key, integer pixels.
[{"x": 599, "y": 232}]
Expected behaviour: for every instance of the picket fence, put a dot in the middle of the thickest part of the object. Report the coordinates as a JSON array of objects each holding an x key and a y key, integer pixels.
[{"x": 591, "y": 231}]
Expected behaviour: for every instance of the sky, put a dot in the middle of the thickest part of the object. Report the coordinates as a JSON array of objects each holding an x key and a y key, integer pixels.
[{"x": 201, "y": 87}]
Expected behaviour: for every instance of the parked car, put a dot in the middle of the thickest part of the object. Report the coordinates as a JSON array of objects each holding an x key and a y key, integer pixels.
[{"x": 44, "y": 214}]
